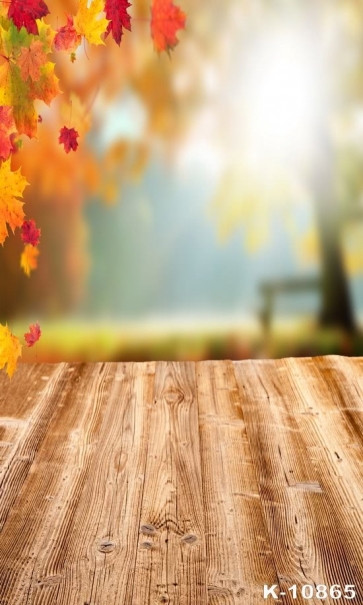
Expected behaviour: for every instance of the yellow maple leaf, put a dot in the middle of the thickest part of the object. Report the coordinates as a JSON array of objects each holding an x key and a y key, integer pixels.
[
  {"x": 87, "y": 21},
  {"x": 29, "y": 259},
  {"x": 10, "y": 350},
  {"x": 12, "y": 185}
]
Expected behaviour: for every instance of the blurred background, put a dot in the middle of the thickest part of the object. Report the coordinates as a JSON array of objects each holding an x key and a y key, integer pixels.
[{"x": 214, "y": 207}]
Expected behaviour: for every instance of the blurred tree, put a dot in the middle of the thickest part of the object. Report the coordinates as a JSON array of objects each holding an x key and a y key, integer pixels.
[
  {"x": 95, "y": 83},
  {"x": 336, "y": 303},
  {"x": 270, "y": 173}
]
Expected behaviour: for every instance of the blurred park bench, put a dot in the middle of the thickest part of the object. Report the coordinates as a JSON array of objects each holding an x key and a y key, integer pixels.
[{"x": 272, "y": 288}]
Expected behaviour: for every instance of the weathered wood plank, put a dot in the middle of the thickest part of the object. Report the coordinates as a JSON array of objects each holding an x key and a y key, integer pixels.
[
  {"x": 27, "y": 406},
  {"x": 19, "y": 395},
  {"x": 89, "y": 554},
  {"x": 280, "y": 452},
  {"x": 348, "y": 374},
  {"x": 324, "y": 416},
  {"x": 344, "y": 379},
  {"x": 170, "y": 565},
  {"x": 239, "y": 556},
  {"x": 98, "y": 562},
  {"x": 126, "y": 487},
  {"x": 307, "y": 534},
  {"x": 16, "y": 406},
  {"x": 47, "y": 493}
]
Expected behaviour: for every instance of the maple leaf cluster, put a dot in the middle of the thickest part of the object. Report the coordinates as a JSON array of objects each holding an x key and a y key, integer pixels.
[{"x": 27, "y": 77}]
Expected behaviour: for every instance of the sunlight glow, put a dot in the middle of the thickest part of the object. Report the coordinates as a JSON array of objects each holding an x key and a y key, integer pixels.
[{"x": 281, "y": 92}]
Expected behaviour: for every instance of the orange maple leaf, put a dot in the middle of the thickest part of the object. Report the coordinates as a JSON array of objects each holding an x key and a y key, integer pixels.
[
  {"x": 29, "y": 259},
  {"x": 66, "y": 37},
  {"x": 166, "y": 20},
  {"x": 7, "y": 128},
  {"x": 10, "y": 350},
  {"x": 12, "y": 185},
  {"x": 31, "y": 60}
]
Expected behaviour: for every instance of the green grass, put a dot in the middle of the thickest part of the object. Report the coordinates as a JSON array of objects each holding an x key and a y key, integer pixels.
[{"x": 72, "y": 340}]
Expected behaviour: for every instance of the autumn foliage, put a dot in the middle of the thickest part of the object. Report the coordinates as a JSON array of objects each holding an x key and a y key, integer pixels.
[
  {"x": 166, "y": 20},
  {"x": 33, "y": 335},
  {"x": 68, "y": 137},
  {"x": 119, "y": 19},
  {"x": 28, "y": 49}
]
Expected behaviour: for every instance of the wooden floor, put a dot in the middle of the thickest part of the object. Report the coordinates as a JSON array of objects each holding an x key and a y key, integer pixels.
[{"x": 181, "y": 483}]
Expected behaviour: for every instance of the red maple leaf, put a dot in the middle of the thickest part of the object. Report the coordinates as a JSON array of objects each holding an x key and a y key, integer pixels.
[
  {"x": 68, "y": 136},
  {"x": 25, "y": 13},
  {"x": 33, "y": 335},
  {"x": 66, "y": 37},
  {"x": 29, "y": 233},
  {"x": 166, "y": 19},
  {"x": 116, "y": 12}
]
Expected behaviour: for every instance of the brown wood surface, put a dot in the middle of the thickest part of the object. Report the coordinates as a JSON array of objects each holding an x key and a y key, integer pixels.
[{"x": 181, "y": 483}]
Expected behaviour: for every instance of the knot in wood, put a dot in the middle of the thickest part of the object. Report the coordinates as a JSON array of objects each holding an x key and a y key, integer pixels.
[
  {"x": 219, "y": 591},
  {"x": 189, "y": 538},
  {"x": 49, "y": 580},
  {"x": 147, "y": 529},
  {"x": 106, "y": 546},
  {"x": 173, "y": 396}
]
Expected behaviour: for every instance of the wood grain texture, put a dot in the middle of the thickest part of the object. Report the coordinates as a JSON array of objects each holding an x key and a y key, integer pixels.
[
  {"x": 308, "y": 529},
  {"x": 239, "y": 555},
  {"x": 334, "y": 442},
  {"x": 25, "y": 415},
  {"x": 180, "y": 483},
  {"x": 170, "y": 566}
]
